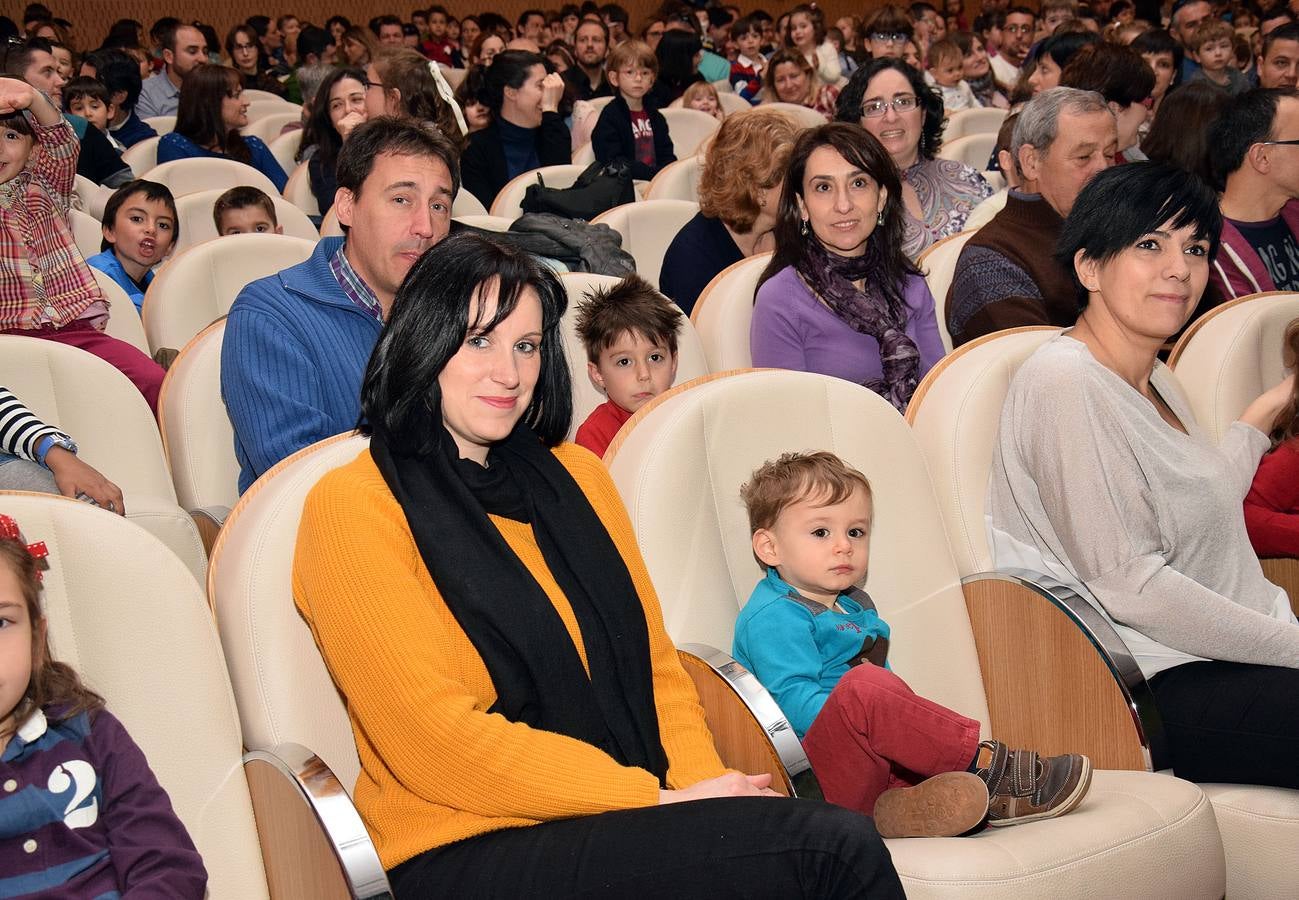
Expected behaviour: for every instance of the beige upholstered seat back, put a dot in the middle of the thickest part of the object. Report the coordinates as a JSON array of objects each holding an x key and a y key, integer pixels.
[
  {"x": 679, "y": 467},
  {"x": 724, "y": 311},
  {"x": 280, "y": 680},
  {"x": 586, "y": 396},
  {"x": 285, "y": 147},
  {"x": 487, "y": 223},
  {"x": 86, "y": 231},
  {"x": 196, "y": 431},
  {"x": 123, "y": 318},
  {"x": 647, "y": 227},
  {"x": 973, "y": 149},
  {"x": 466, "y": 204},
  {"x": 269, "y": 126},
  {"x": 986, "y": 211},
  {"x": 200, "y": 285},
  {"x": 91, "y": 197},
  {"x": 689, "y": 129},
  {"x": 297, "y": 190},
  {"x": 939, "y": 265},
  {"x": 252, "y": 95},
  {"x": 142, "y": 155},
  {"x": 1233, "y": 354},
  {"x": 188, "y": 176},
  {"x": 261, "y": 107},
  {"x": 197, "y": 225},
  {"x": 955, "y": 413},
  {"x": 161, "y": 124},
  {"x": 801, "y": 116},
  {"x": 677, "y": 180},
  {"x": 584, "y": 155},
  {"x": 508, "y": 202},
  {"x": 114, "y": 429},
  {"x": 129, "y": 617},
  {"x": 986, "y": 120}
]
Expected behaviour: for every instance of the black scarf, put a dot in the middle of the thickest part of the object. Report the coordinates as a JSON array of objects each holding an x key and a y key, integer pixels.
[
  {"x": 871, "y": 311},
  {"x": 512, "y": 624}
]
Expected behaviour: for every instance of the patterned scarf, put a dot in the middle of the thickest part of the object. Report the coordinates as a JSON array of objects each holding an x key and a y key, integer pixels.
[
  {"x": 984, "y": 88},
  {"x": 874, "y": 311}
]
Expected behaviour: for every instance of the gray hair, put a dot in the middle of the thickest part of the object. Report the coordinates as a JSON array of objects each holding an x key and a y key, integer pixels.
[
  {"x": 1039, "y": 120},
  {"x": 309, "y": 80}
]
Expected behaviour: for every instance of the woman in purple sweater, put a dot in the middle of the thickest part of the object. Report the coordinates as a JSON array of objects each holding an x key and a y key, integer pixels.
[{"x": 840, "y": 297}]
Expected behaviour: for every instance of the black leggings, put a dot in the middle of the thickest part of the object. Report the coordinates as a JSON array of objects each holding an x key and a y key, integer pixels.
[
  {"x": 741, "y": 847},
  {"x": 1231, "y": 722}
]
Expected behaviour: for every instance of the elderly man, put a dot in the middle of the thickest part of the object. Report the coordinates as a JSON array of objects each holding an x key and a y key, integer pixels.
[
  {"x": 297, "y": 343},
  {"x": 1006, "y": 275},
  {"x": 183, "y": 48},
  {"x": 1256, "y": 166},
  {"x": 1278, "y": 64},
  {"x": 590, "y": 47}
]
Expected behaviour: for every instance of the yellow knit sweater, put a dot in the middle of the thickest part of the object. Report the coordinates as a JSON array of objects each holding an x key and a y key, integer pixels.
[{"x": 435, "y": 767}]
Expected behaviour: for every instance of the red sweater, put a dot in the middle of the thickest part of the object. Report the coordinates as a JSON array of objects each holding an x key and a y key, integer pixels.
[
  {"x": 1272, "y": 505},
  {"x": 600, "y": 427}
]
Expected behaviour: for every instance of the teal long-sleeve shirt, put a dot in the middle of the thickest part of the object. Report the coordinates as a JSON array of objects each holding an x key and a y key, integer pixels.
[{"x": 798, "y": 648}]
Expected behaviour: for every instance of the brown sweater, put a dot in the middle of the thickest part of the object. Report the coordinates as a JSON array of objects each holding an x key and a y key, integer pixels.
[{"x": 1006, "y": 276}]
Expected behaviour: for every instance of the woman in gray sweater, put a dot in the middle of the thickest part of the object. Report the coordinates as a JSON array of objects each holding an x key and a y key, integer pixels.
[{"x": 1102, "y": 478}]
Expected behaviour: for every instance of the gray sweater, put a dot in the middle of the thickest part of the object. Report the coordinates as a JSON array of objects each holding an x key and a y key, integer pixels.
[{"x": 1091, "y": 487}]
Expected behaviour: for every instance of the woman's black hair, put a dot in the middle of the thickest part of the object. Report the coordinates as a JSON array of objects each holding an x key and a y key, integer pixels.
[
  {"x": 341, "y": 20},
  {"x": 152, "y": 190},
  {"x": 1179, "y": 134},
  {"x": 1155, "y": 41},
  {"x": 676, "y": 52},
  {"x": 198, "y": 114},
  {"x": 1062, "y": 47},
  {"x": 861, "y": 149},
  {"x": 319, "y": 131},
  {"x": 1123, "y": 203},
  {"x": 848, "y": 108},
  {"x": 509, "y": 68},
  {"x": 1118, "y": 73},
  {"x": 400, "y": 396}
]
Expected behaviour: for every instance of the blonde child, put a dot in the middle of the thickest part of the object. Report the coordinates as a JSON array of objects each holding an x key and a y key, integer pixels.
[
  {"x": 48, "y": 291},
  {"x": 946, "y": 68},
  {"x": 1211, "y": 46},
  {"x": 140, "y": 228},
  {"x": 627, "y": 128},
  {"x": 76, "y": 786},
  {"x": 816, "y": 642},
  {"x": 629, "y": 332},
  {"x": 703, "y": 96}
]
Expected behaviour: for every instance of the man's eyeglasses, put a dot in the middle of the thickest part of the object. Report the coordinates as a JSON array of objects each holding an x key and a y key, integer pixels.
[
  {"x": 873, "y": 109},
  {"x": 888, "y": 37}
]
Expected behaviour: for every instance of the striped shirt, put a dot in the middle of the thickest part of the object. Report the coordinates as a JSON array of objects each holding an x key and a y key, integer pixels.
[
  {"x": 354, "y": 285},
  {"x": 20, "y": 431},
  {"x": 43, "y": 278}
]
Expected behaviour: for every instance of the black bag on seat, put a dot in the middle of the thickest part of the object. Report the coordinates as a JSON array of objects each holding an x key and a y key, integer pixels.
[{"x": 600, "y": 187}]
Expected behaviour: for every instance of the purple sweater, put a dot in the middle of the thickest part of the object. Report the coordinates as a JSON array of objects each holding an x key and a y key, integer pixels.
[
  {"x": 81, "y": 815},
  {"x": 792, "y": 329}
]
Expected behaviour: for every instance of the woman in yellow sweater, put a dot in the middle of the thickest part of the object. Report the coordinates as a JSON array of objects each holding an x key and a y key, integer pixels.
[{"x": 523, "y": 723}]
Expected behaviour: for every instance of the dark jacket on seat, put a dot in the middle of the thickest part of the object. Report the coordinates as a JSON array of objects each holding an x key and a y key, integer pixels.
[
  {"x": 612, "y": 138},
  {"x": 482, "y": 167}
]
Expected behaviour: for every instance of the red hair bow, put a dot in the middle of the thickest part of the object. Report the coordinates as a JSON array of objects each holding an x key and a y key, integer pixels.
[{"x": 9, "y": 531}]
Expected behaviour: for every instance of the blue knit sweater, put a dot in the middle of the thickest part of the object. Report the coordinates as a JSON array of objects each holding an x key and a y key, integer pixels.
[{"x": 294, "y": 354}]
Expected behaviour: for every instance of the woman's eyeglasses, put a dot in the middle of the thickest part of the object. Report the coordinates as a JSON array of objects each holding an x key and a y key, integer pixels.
[{"x": 873, "y": 109}]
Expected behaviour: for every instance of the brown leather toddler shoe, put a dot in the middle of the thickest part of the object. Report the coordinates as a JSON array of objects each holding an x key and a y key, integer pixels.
[
  {"x": 946, "y": 805},
  {"x": 1023, "y": 787}
]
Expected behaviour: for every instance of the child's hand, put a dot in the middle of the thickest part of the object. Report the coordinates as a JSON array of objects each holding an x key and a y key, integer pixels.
[
  {"x": 15, "y": 95},
  {"x": 75, "y": 478},
  {"x": 552, "y": 91}
]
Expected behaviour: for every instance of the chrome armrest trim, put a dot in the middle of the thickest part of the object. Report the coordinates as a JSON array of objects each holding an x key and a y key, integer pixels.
[
  {"x": 763, "y": 707},
  {"x": 338, "y": 818},
  {"x": 1109, "y": 646},
  {"x": 215, "y": 514}
]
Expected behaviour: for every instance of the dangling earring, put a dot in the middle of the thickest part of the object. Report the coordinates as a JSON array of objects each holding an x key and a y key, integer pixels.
[
  {"x": 879, "y": 220},
  {"x": 802, "y": 228}
]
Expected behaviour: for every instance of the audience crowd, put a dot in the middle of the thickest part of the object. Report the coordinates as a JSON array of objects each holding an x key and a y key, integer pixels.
[{"x": 1146, "y": 171}]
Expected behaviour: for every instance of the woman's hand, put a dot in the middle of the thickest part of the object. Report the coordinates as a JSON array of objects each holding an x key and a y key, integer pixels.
[
  {"x": 732, "y": 784},
  {"x": 349, "y": 122},
  {"x": 75, "y": 478},
  {"x": 1262, "y": 412},
  {"x": 552, "y": 91}
]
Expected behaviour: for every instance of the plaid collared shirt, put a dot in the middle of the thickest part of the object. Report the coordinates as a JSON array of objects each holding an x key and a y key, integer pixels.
[
  {"x": 352, "y": 284},
  {"x": 43, "y": 279}
]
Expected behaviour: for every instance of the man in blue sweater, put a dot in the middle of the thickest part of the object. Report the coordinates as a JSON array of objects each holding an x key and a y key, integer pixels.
[{"x": 297, "y": 343}]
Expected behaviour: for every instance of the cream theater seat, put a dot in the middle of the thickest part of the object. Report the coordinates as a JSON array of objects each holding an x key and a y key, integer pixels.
[
  {"x": 189, "y": 176},
  {"x": 677, "y": 181},
  {"x": 199, "y": 286},
  {"x": 732, "y": 102},
  {"x": 86, "y": 231},
  {"x": 259, "y": 107},
  {"x": 973, "y": 149},
  {"x": 297, "y": 190},
  {"x": 801, "y": 116},
  {"x": 954, "y": 416},
  {"x": 154, "y": 647},
  {"x": 196, "y": 433},
  {"x": 647, "y": 227},
  {"x": 986, "y": 120},
  {"x": 142, "y": 155},
  {"x": 986, "y": 211},
  {"x": 123, "y": 318},
  {"x": 508, "y": 202},
  {"x": 90, "y": 197},
  {"x": 197, "y": 225},
  {"x": 282, "y": 687},
  {"x": 938, "y": 263},
  {"x": 285, "y": 147},
  {"x": 586, "y": 396},
  {"x": 252, "y": 95},
  {"x": 114, "y": 429},
  {"x": 1137, "y": 834},
  {"x": 1224, "y": 360},
  {"x": 724, "y": 311},
  {"x": 161, "y": 124},
  {"x": 487, "y": 223},
  {"x": 466, "y": 204},
  {"x": 584, "y": 155},
  {"x": 689, "y": 129},
  {"x": 268, "y": 126}
]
